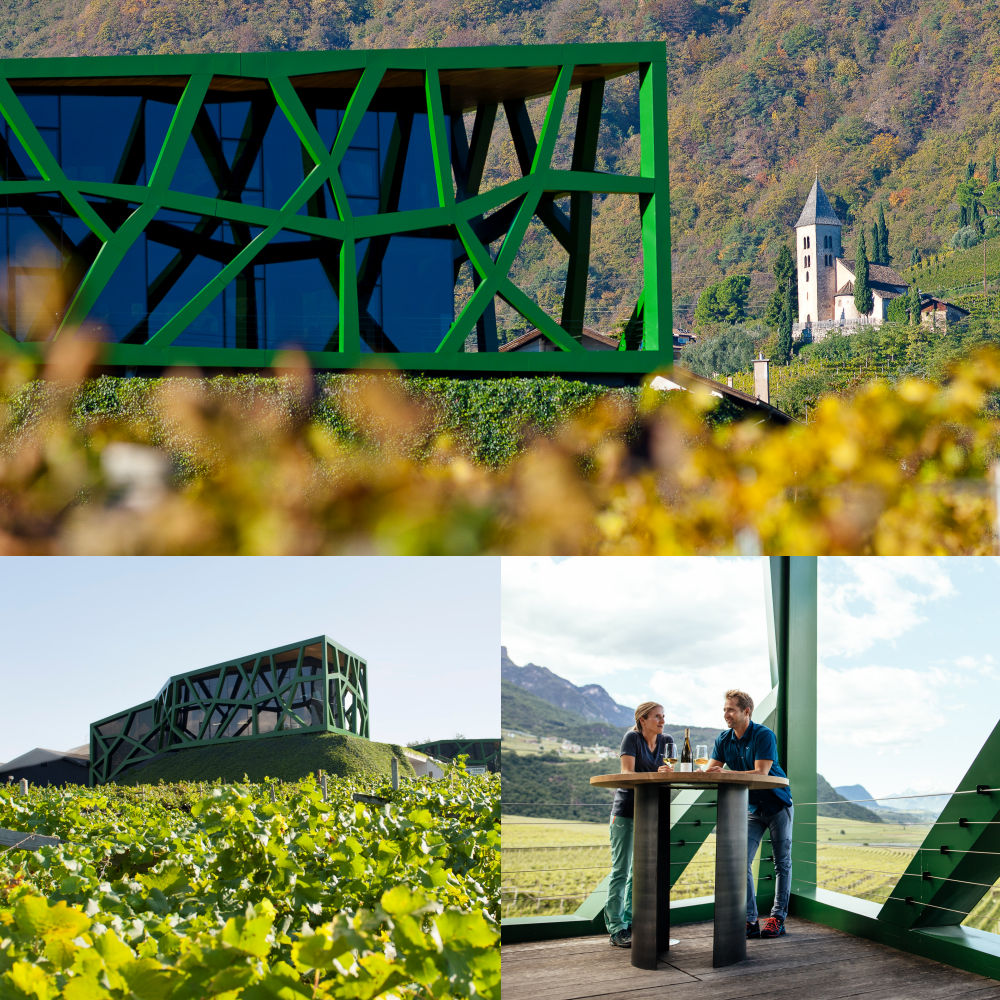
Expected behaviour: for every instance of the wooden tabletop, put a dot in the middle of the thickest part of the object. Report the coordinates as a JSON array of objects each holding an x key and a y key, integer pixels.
[{"x": 694, "y": 779}]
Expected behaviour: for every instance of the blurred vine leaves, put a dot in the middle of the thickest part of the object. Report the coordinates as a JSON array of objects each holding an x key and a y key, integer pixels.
[{"x": 901, "y": 469}]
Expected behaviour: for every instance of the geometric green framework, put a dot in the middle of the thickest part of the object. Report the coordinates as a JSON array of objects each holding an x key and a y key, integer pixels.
[
  {"x": 235, "y": 205},
  {"x": 959, "y": 860},
  {"x": 312, "y": 686}
]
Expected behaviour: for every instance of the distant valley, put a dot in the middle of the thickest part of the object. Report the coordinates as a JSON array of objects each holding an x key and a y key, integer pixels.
[{"x": 556, "y": 735}]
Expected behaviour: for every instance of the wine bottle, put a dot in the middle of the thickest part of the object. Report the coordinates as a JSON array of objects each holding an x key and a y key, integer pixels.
[{"x": 686, "y": 756}]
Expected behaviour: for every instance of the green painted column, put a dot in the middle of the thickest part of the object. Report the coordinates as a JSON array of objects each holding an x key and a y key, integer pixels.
[
  {"x": 791, "y": 618},
  {"x": 798, "y": 712}
]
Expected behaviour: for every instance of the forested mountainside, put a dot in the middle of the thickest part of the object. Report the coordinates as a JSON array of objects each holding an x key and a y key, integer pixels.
[{"x": 887, "y": 100}]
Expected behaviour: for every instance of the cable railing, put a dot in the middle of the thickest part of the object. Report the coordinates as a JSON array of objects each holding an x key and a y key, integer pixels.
[{"x": 565, "y": 874}]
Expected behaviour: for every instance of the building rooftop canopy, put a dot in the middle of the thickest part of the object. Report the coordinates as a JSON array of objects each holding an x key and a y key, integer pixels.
[{"x": 817, "y": 210}]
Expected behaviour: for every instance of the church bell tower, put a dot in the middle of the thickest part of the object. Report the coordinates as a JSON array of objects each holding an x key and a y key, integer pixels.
[{"x": 817, "y": 247}]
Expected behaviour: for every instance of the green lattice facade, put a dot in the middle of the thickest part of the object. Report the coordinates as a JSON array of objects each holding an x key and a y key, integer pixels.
[
  {"x": 212, "y": 210},
  {"x": 315, "y": 686}
]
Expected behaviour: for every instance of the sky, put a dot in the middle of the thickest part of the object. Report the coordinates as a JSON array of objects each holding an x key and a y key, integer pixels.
[
  {"x": 908, "y": 668},
  {"x": 677, "y": 630},
  {"x": 81, "y": 638}
]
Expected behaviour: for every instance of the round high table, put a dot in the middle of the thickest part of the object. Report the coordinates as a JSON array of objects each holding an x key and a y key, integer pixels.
[{"x": 651, "y": 858}]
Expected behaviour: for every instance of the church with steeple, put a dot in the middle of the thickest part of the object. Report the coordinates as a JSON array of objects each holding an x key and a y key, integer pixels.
[{"x": 826, "y": 278}]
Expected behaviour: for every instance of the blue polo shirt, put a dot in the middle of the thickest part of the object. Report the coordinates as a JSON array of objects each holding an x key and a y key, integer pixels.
[
  {"x": 757, "y": 743},
  {"x": 634, "y": 745}
]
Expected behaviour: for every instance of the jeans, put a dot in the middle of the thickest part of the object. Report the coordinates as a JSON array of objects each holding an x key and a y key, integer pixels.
[
  {"x": 780, "y": 826},
  {"x": 618, "y": 909}
]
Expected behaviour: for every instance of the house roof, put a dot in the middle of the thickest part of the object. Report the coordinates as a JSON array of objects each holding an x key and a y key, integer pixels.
[
  {"x": 928, "y": 301},
  {"x": 886, "y": 291},
  {"x": 684, "y": 378},
  {"x": 42, "y": 756},
  {"x": 817, "y": 209},
  {"x": 527, "y": 338},
  {"x": 881, "y": 273}
]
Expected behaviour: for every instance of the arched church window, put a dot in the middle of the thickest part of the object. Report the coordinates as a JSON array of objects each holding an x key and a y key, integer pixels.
[{"x": 807, "y": 281}]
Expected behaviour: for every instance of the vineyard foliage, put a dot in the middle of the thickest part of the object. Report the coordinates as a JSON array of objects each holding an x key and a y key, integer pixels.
[
  {"x": 551, "y": 867},
  {"x": 215, "y": 891},
  {"x": 904, "y": 468}
]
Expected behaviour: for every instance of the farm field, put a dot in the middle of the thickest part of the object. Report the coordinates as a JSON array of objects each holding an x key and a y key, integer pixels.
[
  {"x": 259, "y": 891},
  {"x": 958, "y": 274},
  {"x": 527, "y": 745},
  {"x": 550, "y": 867}
]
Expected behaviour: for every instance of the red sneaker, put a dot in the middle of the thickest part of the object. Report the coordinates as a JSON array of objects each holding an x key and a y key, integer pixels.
[{"x": 773, "y": 927}]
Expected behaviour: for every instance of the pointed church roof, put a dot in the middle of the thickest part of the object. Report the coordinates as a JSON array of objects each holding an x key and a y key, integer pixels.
[{"x": 817, "y": 211}]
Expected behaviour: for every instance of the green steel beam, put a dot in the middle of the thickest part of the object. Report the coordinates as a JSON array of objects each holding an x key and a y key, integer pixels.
[
  {"x": 118, "y": 245},
  {"x": 37, "y": 148},
  {"x": 792, "y": 617},
  {"x": 657, "y": 316},
  {"x": 959, "y": 861},
  {"x": 588, "y": 126}
]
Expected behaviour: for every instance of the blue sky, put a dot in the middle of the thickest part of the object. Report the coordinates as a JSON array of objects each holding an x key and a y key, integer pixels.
[
  {"x": 82, "y": 638},
  {"x": 909, "y": 663},
  {"x": 909, "y": 670}
]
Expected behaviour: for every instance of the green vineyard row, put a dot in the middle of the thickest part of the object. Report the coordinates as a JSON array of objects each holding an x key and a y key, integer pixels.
[
  {"x": 541, "y": 877},
  {"x": 254, "y": 891}
]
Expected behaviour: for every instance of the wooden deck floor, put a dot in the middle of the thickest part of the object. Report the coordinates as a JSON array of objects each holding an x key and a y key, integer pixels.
[{"x": 810, "y": 961}]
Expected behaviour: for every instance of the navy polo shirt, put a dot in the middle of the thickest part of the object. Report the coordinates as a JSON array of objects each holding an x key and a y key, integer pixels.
[
  {"x": 757, "y": 743},
  {"x": 633, "y": 745}
]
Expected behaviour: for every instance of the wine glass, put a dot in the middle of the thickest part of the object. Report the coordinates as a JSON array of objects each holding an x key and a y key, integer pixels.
[
  {"x": 670, "y": 754},
  {"x": 701, "y": 756}
]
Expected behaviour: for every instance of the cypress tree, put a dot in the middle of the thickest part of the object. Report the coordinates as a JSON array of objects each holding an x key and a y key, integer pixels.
[
  {"x": 883, "y": 238},
  {"x": 874, "y": 257},
  {"x": 864, "y": 301},
  {"x": 914, "y": 305},
  {"x": 991, "y": 171},
  {"x": 784, "y": 345},
  {"x": 784, "y": 275},
  {"x": 966, "y": 213}
]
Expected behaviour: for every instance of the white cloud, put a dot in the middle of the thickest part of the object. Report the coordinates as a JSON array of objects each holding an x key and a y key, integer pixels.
[
  {"x": 697, "y": 696},
  {"x": 875, "y": 707},
  {"x": 864, "y": 601},
  {"x": 985, "y": 665},
  {"x": 682, "y": 630}
]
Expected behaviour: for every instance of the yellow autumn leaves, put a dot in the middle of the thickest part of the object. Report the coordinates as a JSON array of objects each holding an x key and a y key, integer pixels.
[{"x": 893, "y": 470}]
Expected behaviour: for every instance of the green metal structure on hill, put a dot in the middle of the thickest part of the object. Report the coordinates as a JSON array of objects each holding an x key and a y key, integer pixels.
[
  {"x": 478, "y": 753},
  {"x": 238, "y": 205},
  {"x": 314, "y": 686}
]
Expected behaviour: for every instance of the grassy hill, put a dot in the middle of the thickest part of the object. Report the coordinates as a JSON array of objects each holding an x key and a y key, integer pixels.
[
  {"x": 520, "y": 709},
  {"x": 888, "y": 100},
  {"x": 547, "y": 785},
  {"x": 287, "y": 757}
]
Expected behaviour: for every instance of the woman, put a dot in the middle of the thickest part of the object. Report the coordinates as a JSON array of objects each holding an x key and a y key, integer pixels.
[{"x": 643, "y": 749}]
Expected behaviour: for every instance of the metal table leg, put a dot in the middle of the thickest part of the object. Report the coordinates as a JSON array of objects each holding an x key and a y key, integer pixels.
[
  {"x": 651, "y": 875},
  {"x": 730, "y": 942}
]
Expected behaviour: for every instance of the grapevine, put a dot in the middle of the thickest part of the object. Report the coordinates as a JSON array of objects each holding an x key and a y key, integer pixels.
[{"x": 269, "y": 890}]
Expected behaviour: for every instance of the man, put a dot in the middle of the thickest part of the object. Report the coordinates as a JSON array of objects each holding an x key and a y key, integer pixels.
[{"x": 749, "y": 746}]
